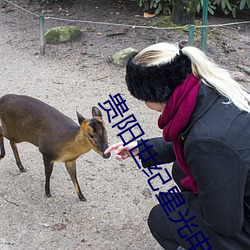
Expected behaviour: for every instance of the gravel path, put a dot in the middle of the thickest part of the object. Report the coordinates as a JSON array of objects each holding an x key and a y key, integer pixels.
[
  {"x": 74, "y": 77},
  {"x": 118, "y": 195}
]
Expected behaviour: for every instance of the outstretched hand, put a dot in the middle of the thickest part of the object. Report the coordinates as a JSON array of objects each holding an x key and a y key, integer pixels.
[{"x": 122, "y": 152}]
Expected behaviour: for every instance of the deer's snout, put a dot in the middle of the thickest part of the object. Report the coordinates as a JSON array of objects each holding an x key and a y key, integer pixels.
[{"x": 106, "y": 156}]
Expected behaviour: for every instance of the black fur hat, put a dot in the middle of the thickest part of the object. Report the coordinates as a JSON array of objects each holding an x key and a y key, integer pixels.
[{"x": 156, "y": 83}]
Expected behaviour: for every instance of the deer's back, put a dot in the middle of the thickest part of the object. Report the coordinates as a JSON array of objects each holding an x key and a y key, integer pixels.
[{"x": 24, "y": 118}]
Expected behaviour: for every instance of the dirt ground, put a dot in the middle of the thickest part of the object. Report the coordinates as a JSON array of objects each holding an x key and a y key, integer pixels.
[{"x": 77, "y": 76}]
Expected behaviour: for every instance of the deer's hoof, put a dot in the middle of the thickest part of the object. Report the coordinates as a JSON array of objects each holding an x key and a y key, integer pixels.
[
  {"x": 82, "y": 198},
  {"x": 48, "y": 195}
]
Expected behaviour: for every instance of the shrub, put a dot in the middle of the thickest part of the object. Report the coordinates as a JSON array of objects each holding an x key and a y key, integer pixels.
[
  {"x": 165, "y": 6},
  {"x": 157, "y": 6}
]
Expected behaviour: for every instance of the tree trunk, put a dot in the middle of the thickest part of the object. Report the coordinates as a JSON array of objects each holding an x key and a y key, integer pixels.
[{"x": 183, "y": 11}]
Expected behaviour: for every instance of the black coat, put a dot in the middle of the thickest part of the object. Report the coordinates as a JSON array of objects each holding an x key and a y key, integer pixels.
[{"x": 216, "y": 145}]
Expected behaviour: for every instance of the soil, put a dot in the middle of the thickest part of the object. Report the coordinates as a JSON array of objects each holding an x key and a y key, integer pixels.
[{"x": 77, "y": 76}]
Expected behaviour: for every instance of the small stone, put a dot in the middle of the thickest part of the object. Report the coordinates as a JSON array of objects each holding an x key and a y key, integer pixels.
[
  {"x": 146, "y": 192},
  {"x": 239, "y": 76},
  {"x": 121, "y": 58},
  {"x": 244, "y": 68},
  {"x": 44, "y": 225},
  {"x": 2, "y": 4},
  {"x": 62, "y": 34}
]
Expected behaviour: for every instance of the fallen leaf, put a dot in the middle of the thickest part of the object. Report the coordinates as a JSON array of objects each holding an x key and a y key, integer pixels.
[{"x": 147, "y": 15}]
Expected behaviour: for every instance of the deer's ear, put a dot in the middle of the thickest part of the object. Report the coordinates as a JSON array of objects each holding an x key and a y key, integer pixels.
[
  {"x": 96, "y": 111},
  {"x": 80, "y": 118}
]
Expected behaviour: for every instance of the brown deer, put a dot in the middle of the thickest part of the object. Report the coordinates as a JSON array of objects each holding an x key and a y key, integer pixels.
[{"x": 59, "y": 138}]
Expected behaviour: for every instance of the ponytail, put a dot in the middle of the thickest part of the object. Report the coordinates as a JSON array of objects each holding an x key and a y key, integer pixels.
[{"x": 218, "y": 78}]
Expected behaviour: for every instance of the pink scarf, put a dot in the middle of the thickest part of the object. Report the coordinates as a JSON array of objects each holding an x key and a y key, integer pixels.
[{"x": 174, "y": 119}]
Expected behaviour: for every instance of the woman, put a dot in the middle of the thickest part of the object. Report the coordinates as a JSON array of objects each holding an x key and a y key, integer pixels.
[{"x": 205, "y": 118}]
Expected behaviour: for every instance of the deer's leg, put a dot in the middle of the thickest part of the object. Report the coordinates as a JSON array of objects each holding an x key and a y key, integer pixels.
[
  {"x": 18, "y": 161},
  {"x": 71, "y": 168},
  {"x": 1, "y": 144},
  {"x": 48, "y": 165}
]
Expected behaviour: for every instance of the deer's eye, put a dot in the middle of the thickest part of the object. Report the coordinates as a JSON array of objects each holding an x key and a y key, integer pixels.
[{"x": 91, "y": 136}]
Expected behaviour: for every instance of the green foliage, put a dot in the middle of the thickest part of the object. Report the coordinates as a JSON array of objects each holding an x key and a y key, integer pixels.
[
  {"x": 244, "y": 4},
  {"x": 165, "y": 6},
  {"x": 157, "y": 6},
  {"x": 211, "y": 7},
  {"x": 231, "y": 6},
  {"x": 226, "y": 6}
]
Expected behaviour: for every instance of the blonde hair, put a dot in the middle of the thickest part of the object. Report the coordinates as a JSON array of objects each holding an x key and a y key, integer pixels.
[{"x": 203, "y": 68}]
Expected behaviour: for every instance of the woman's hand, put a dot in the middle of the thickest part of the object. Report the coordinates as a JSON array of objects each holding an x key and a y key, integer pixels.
[{"x": 122, "y": 152}]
